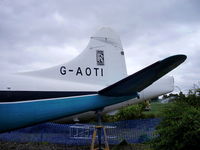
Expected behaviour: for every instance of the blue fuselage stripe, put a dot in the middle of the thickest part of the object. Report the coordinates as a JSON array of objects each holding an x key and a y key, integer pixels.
[{"x": 16, "y": 115}]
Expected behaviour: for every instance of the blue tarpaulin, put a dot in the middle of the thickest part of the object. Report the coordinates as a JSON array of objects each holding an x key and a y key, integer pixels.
[{"x": 133, "y": 131}]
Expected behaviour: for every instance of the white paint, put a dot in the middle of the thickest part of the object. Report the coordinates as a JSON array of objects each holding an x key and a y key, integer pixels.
[
  {"x": 114, "y": 69},
  {"x": 100, "y": 76}
]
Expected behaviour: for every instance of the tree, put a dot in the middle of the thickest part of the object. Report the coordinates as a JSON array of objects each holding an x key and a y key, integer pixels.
[{"x": 180, "y": 126}]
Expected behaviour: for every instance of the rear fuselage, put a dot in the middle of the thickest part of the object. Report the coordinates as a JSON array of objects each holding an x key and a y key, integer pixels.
[{"x": 28, "y": 100}]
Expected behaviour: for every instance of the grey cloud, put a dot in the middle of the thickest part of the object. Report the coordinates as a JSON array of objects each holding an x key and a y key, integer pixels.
[{"x": 150, "y": 30}]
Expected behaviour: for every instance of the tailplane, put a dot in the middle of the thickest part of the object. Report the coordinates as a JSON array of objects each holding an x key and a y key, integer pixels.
[{"x": 138, "y": 81}]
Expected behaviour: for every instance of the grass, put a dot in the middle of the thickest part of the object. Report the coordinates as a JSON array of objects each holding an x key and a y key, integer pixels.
[{"x": 156, "y": 109}]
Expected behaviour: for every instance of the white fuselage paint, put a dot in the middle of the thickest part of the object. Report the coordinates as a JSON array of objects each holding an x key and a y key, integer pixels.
[
  {"x": 17, "y": 82},
  {"x": 102, "y": 63}
]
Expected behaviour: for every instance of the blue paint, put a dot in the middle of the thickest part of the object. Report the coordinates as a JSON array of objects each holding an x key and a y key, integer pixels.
[{"x": 16, "y": 115}]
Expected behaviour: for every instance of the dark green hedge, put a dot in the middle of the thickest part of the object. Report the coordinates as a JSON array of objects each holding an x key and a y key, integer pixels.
[{"x": 180, "y": 127}]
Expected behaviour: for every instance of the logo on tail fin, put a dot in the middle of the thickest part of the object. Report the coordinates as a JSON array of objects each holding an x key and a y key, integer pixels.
[{"x": 100, "y": 57}]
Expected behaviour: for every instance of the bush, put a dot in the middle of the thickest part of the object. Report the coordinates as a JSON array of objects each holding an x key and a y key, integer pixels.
[
  {"x": 180, "y": 127},
  {"x": 130, "y": 112},
  {"x": 125, "y": 113},
  {"x": 135, "y": 111}
]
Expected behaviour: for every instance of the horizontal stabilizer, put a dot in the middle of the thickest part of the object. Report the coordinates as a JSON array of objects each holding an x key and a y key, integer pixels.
[{"x": 143, "y": 78}]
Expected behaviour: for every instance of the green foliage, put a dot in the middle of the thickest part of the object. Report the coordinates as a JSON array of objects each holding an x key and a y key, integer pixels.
[
  {"x": 126, "y": 113},
  {"x": 193, "y": 99},
  {"x": 180, "y": 127},
  {"x": 156, "y": 110},
  {"x": 130, "y": 112}
]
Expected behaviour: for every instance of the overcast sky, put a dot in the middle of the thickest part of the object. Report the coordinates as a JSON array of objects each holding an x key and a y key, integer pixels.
[{"x": 41, "y": 33}]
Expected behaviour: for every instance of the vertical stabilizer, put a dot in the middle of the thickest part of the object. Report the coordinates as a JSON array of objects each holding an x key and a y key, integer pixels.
[{"x": 102, "y": 62}]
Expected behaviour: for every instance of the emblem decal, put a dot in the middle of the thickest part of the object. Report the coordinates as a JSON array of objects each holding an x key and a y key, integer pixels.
[{"x": 100, "y": 57}]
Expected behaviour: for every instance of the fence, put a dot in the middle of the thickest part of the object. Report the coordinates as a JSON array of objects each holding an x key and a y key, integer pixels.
[{"x": 134, "y": 131}]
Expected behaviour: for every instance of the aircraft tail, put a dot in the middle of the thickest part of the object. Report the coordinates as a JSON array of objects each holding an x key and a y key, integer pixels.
[{"x": 102, "y": 62}]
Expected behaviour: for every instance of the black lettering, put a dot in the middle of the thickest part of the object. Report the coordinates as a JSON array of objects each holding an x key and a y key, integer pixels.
[
  {"x": 101, "y": 71},
  {"x": 88, "y": 71},
  {"x": 96, "y": 71},
  {"x": 63, "y": 70},
  {"x": 79, "y": 71}
]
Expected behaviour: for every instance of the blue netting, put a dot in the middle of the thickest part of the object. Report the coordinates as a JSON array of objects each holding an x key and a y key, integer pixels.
[{"x": 134, "y": 131}]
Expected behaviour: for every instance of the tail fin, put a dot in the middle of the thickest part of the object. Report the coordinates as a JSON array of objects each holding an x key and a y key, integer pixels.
[{"x": 102, "y": 62}]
